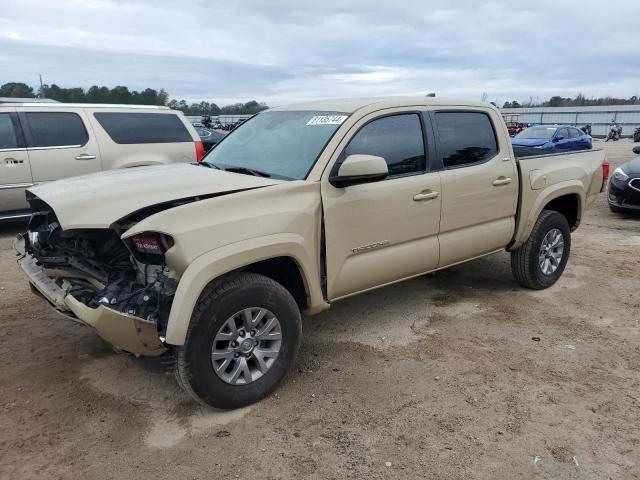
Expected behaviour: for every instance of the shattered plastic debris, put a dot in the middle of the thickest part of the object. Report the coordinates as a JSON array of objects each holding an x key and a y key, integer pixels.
[
  {"x": 536, "y": 459},
  {"x": 570, "y": 347},
  {"x": 574, "y": 459}
]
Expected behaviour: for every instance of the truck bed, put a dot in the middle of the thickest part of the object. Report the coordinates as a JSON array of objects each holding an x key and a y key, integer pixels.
[{"x": 544, "y": 178}]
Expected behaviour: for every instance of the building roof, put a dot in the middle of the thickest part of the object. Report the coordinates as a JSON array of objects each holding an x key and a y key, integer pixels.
[
  {"x": 26, "y": 100},
  {"x": 350, "y": 105},
  {"x": 54, "y": 104},
  {"x": 589, "y": 108}
]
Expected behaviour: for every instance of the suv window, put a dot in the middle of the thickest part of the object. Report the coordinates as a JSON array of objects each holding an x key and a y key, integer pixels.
[
  {"x": 129, "y": 128},
  {"x": 465, "y": 138},
  {"x": 397, "y": 138},
  {"x": 8, "y": 137},
  {"x": 56, "y": 129}
]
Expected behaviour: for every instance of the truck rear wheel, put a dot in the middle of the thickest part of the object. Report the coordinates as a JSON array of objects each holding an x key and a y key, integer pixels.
[
  {"x": 539, "y": 263},
  {"x": 242, "y": 340}
]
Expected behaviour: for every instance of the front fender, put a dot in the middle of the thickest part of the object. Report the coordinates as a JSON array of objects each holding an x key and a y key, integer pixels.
[{"x": 215, "y": 263}]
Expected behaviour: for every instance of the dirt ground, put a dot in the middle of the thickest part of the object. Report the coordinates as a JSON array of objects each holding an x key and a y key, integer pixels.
[{"x": 438, "y": 377}]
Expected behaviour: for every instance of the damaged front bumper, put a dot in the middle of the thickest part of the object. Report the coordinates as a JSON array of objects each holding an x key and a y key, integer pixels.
[{"x": 127, "y": 332}]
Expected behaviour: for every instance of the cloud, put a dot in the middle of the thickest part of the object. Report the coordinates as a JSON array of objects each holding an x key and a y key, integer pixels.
[{"x": 287, "y": 50}]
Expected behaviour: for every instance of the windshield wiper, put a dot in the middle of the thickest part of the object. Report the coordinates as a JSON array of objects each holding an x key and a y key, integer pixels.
[
  {"x": 245, "y": 170},
  {"x": 208, "y": 165}
]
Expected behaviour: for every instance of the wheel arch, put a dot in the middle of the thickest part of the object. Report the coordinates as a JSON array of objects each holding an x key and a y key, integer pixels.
[
  {"x": 568, "y": 205},
  {"x": 566, "y": 198},
  {"x": 275, "y": 256}
]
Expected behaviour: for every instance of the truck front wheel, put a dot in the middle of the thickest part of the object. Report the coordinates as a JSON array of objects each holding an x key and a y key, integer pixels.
[
  {"x": 539, "y": 263},
  {"x": 242, "y": 340}
]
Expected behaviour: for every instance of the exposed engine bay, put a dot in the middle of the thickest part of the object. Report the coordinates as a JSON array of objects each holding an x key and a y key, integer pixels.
[{"x": 97, "y": 267}]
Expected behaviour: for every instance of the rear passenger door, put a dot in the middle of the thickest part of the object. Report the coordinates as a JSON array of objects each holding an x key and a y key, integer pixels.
[
  {"x": 479, "y": 184},
  {"x": 15, "y": 174},
  {"x": 59, "y": 144},
  {"x": 579, "y": 139}
]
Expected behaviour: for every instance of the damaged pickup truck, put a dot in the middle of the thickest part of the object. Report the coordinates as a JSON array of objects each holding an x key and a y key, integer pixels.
[{"x": 301, "y": 206}]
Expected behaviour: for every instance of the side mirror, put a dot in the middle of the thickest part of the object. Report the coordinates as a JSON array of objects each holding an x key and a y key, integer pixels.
[
  {"x": 558, "y": 138},
  {"x": 360, "y": 169},
  {"x": 636, "y": 150}
]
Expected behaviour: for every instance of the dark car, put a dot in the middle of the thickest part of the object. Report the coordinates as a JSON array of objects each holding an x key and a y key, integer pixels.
[
  {"x": 624, "y": 186},
  {"x": 209, "y": 138},
  {"x": 553, "y": 137}
]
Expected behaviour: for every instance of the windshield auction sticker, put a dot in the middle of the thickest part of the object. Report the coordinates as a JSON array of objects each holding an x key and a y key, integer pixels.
[{"x": 327, "y": 120}]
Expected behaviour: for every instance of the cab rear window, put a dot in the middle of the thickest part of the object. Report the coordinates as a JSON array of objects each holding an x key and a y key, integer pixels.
[{"x": 130, "y": 128}]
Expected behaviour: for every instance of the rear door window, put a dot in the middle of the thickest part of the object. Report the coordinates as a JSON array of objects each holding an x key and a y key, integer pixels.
[
  {"x": 396, "y": 138},
  {"x": 130, "y": 128},
  {"x": 8, "y": 134},
  {"x": 56, "y": 129},
  {"x": 465, "y": 138},
  {"x": 574, "y": 133}
]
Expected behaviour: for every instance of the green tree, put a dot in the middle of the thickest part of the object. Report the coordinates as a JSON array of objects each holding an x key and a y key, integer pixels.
[
  {"x": 16, "y": 89},
  {"x": 163, "y": 97}
]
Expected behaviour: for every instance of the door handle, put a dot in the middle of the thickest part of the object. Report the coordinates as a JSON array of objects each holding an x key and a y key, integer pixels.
[
  {"x": 501, "y": 181},
  {"x": 428, "y": 195},
  {"x": 85, "y": 156},
  {"x": 13, "y": 161}
]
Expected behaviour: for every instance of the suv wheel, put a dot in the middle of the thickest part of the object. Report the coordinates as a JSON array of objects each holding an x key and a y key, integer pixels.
[
  {"x": 539, "y": 263},
  {"x": 243, "y": 337}
]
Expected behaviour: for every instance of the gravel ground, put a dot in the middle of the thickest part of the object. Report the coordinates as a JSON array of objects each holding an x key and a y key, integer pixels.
[{"x": 439, "y": 377}]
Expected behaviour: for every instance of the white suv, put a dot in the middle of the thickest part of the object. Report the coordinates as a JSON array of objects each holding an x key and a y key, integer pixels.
[{"x": 40, "y": 142}]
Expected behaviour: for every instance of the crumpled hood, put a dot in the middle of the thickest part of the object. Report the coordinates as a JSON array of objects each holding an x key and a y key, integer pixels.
[
  {"x": 98, "y": 200},
  {"x": 528, "y": 142}
]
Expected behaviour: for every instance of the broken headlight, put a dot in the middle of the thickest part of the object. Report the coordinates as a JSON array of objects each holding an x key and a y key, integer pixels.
[{"x": 150, "y": 247}]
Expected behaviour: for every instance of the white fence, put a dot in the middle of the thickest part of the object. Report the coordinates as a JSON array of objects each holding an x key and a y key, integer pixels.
[{"x": 628, "y": 116}]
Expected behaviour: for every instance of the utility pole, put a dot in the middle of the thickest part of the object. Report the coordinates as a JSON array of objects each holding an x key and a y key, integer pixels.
[{"x": 40, "y": 92}]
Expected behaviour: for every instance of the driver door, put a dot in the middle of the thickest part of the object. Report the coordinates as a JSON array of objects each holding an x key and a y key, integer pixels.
[
  {"x": 380, "y": 232},
  {"x": 564, "y": 143}
]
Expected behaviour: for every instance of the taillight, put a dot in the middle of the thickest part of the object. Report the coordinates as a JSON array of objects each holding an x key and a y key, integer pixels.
[
  {"x": 605, "y": 173},
  {"x": 149, "y": 247},
  {"x": 199, "y": 150}
]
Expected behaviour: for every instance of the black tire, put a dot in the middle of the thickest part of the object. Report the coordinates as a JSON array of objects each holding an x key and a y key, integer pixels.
[
  {"x": 219, "y": 301},
  {"x": 525, "y": 263}
]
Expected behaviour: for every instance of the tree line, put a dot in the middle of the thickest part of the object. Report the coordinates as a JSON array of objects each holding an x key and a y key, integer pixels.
[
  {"x": 579, "y": 101},
  {"x": 122, "y": 95},
  {"x": 206, "y": 108}
]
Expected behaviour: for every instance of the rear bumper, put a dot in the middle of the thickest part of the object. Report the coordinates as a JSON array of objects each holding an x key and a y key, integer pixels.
[{"x": 127, "y": 332}]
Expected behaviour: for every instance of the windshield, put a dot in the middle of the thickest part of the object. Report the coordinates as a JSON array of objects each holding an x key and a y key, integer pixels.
[
  {"x": 537, "y": 132},
  {"x": 277, "y": 144}
]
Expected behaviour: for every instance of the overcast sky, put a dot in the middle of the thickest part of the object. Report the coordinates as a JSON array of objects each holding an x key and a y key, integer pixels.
[{"x": 280, "y": 51}]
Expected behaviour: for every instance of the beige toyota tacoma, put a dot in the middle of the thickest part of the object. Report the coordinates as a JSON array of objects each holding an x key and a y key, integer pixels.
[{"x": 213, "y": 262}]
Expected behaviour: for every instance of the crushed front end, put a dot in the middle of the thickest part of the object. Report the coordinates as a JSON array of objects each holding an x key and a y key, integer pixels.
[{"x": 122, "y": 288}]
